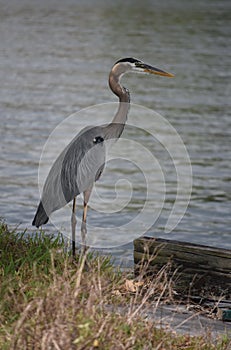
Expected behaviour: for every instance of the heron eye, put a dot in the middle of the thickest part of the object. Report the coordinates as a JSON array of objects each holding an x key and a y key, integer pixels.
[
  {"x": 98, "y": 139},
  {"x": 139, "y": 64}
]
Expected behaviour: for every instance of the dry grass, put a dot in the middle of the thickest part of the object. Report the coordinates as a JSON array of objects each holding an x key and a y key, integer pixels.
[{"x": 49, "y": 301}]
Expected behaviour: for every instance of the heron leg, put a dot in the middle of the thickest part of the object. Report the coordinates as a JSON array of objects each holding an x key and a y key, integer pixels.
[
  {"x": 86, "y": 196},
  {"x": 83, "y": 226},
  {"x": 73, "y": 226}
]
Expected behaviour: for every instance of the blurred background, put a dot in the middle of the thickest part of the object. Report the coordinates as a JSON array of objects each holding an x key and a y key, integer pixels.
[{"x": 55, "y": 58}]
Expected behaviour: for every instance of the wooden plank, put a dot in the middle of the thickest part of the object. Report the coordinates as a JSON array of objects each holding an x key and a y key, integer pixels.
[{"x": 199, "y": 267}]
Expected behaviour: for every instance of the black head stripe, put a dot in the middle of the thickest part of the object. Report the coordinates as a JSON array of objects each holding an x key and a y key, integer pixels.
[{"x": 128, "y": 59}]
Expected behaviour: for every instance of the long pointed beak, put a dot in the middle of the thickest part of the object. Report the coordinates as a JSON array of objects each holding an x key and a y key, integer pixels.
[{"x": 152, "y": 70}]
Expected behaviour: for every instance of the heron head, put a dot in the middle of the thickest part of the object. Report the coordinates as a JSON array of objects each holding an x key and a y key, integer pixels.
[{"x": 132, "y": 64}]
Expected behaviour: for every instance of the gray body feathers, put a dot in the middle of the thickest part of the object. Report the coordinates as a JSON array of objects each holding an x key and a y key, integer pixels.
[{"x": 75, "y": 170}]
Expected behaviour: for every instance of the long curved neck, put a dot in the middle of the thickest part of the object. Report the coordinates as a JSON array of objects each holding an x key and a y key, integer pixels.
[{"x": 116, "y": 127}]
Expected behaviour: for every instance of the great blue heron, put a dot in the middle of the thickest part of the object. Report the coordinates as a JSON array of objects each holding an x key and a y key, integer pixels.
[{"x": 81, "y": 163}]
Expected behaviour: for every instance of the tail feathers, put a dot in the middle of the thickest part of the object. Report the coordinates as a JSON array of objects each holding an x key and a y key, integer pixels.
[{"x": 40, "y": 216}]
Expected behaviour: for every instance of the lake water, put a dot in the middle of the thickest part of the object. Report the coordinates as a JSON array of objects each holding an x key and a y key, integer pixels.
[{"x": 55, "y": 59}]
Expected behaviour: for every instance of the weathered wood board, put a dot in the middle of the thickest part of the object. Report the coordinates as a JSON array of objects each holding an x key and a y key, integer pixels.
[{"x": 200, "y": 269}]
